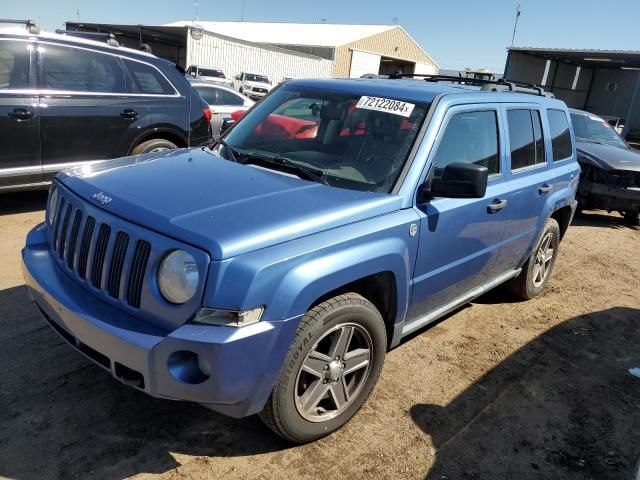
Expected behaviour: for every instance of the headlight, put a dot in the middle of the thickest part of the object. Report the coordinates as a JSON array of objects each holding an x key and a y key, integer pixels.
[
  {"x": 228, "y": 318},
  {"x": 178, "y": 277},
  {"x": 53, "y": 204}
]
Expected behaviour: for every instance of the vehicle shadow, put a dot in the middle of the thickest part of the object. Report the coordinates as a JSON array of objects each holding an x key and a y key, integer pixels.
[
  {"x": 23, "y": 202},
  {"x": 563, "y": 406},
  {"x": 600, "y": 218},
  {"x": 63, "y": 417}
]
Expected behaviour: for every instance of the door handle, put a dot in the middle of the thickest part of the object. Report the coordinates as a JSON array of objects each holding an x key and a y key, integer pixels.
[
  {"x": 129, "y": 113},
  {"x": 496, "y": 206},
  {"x": 20, "y": 114},
  {"x": 546, "y": 188}
]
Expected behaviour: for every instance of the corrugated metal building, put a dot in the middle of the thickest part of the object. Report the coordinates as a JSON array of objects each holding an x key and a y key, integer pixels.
[
  {"x": 604, "y": 82},
  {"x": 353, "y": 50}
]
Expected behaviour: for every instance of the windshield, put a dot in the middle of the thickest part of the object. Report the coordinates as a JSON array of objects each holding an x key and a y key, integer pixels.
[
  {"x": 594, "y": 129},
  {"x": 348, "y": 140},
  {"x": 252, "y": 77},
  {"x": 210, "y": 72}
]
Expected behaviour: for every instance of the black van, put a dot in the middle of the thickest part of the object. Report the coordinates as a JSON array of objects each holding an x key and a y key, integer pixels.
[{"x": 70, "y": 97}]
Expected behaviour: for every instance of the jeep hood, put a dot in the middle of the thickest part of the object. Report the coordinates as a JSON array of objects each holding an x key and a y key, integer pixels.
[
  {"x": 608, "y": 157},
  {"x": 220, "y": 206}
]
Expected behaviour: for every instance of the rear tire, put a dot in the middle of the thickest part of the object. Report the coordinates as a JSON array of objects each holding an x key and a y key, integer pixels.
[
  {"x": 331, "y": 368},
  {"x": 536, "y": 272},
  {"x": 153, "y": 145}
]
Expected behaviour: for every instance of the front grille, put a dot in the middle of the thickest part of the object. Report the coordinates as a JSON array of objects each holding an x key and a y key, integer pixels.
[
  {"x": 101, "y": 255},
  {"x": 260, "y": 90}
]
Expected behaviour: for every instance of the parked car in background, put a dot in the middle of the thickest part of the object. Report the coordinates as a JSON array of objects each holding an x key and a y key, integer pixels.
[
  {"x": 610, "y": 178},
  {"x": 209, "y": 74},
  {"x": 223, "y": 102},
  {"x": 70, "y": 97},
  {"x": 271, "y": 272},
  {"x": 252, "y": 85}
]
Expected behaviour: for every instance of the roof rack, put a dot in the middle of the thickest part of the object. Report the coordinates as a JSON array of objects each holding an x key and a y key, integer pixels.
[
  {"x": 29, "y": 25},
  {"x": 486, "y": 85},
  {"x": 107, "y": 38}
]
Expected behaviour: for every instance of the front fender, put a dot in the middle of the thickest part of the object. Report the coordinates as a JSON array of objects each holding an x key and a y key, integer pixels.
[{"x": 288, "y": 278}]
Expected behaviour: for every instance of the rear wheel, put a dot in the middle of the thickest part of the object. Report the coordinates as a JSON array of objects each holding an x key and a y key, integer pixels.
[
  {"x": 152, "y": 146},
  {"x": 333, "y": 364},
  {"x": 537, "y": 271}
]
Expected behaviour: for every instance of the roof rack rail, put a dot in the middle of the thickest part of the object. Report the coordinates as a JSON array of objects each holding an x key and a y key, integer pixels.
[
  {"x": 108, "y": 38},
  {"x": 29, "y": 25},
  {"x": 501, "y": 85}
]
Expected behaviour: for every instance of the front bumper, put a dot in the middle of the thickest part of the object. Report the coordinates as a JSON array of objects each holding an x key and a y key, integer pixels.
[
  {"x": 253, "y": 95},
  {"x": 607, "y": 197},
  {"x": 244, "y": 362}
]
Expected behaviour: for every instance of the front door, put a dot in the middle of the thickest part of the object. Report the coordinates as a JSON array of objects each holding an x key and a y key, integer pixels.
[
  {"x": 19, "y": 121},
  {"x": 460, "y": 238},
  {"x": 86, "y": 111}
]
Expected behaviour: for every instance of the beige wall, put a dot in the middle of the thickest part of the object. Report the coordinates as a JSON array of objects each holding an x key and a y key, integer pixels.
[{"x": 394, "y": 43}]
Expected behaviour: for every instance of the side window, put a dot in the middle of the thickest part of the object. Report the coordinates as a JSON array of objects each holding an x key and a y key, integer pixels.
[
  {"x": 208, "y": 95},
  {"x": 525, "y": 138},
  {"x": 14, "y": 65},
  {"x": 75, "y": 69},
  {"x": 228, "y": 98},
  {"x": 148, "y": 79},
  {"x": 470, "y": 137},
  {"x": 560, "y": 136}
]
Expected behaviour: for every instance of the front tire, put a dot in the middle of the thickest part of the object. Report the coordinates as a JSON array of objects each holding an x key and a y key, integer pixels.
[
  {"x": 632, "y": 218},
  {"x": 537, "y": 271},
  {"x": 331, "y": 368}
]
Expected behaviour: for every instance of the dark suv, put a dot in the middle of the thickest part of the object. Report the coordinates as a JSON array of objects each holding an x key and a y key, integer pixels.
[{"x": 66, "y": 99}]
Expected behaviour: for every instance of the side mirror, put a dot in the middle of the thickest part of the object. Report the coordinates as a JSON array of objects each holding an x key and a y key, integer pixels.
[{"x": 458, "y": 180}]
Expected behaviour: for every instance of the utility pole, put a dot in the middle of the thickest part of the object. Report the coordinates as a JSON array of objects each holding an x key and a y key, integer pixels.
[
  {"x": 515, "y": 25},
  {"x": 242, "y": 12},
  {"x": 195, "y": 5}
]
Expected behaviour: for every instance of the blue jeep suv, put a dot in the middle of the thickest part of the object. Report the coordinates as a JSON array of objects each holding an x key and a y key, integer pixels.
[{"x": 270, "y": 272}]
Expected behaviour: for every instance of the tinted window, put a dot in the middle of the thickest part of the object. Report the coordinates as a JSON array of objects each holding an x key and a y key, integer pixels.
[
  {"x": 470, "y": 137},
  {"x": 148, "y": 79},
  {"x": 209, "y": 72},
  {"x": 252, "y": 77},
  {"x": 14, "y": 65},
  {"x": 560, "y": 136},
  {"x": 74, "y": 69},
  {"x": 525, "y": 138},
  {"x": 208, "y": 94},
  {"x": 228, "y": 98}
]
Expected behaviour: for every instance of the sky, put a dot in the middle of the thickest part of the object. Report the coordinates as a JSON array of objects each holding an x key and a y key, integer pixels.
[{"x": 457, "y": 34}]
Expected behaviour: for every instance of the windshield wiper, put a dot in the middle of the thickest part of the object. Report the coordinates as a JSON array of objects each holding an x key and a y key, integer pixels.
[
  {"x": 280, "y": 160},
  {"x": 233, "y": 153}
]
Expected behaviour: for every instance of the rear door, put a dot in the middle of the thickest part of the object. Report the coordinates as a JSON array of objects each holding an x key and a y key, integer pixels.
[
  {"x": 87, "y": 110},
  {"x": 460, "y": 238},
  {"x": 530, "y": 179},
  {"x": 19, "y": 122}
]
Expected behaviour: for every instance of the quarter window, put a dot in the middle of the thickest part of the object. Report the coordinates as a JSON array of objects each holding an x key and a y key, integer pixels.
[
  {"x": 14, "y": 65},
  {"x": 228, "y": 98},
  {"x": 525, "y": 138},
  {"x": 148, "y": 79},
  {"x": 470, "y": 137},
  {"x": 560, "y": 135},
  {"x": 74, "y": 69}
]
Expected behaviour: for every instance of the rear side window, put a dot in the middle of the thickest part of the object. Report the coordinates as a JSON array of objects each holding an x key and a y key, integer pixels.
[
  {"x": 228, "y": 98},
  {"x": 148, "y": 79},
  {"x": 14, "y": 65},
  {"x": 78, "y": 70},
  {"x": 470, "y": 137},
  {"x": 208, "y": 94},
  {"x": 560, "y": 136},
  {"x": 525, "y": 138}
]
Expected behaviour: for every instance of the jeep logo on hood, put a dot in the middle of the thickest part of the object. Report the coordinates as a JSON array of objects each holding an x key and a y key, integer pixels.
[{"x": 101, "y": 197}]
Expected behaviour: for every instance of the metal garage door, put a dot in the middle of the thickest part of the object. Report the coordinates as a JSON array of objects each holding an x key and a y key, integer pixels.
[{"x": 362, "y": 63}]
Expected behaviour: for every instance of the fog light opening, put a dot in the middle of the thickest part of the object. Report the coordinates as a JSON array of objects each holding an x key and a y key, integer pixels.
[{"x": 188, "y": 367}]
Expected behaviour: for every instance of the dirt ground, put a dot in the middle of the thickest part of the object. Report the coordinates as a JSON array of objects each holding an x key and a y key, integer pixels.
[{"x": 498, "y": 390}]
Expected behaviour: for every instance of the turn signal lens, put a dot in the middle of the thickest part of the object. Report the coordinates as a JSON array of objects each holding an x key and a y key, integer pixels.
[{"x": 228, "y": 318}]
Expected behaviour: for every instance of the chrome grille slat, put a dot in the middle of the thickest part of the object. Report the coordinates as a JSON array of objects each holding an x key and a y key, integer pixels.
[
  {"x": 117, "y": 263},
  {"x": 136, "y": 275},
  {"x": 63, "y": 231},
  {"x": 84, "y": 246},
  {"x": 56, "y": 220},
  {"x": 73, "y": 239},
  {"x": 99, "y": 254}
]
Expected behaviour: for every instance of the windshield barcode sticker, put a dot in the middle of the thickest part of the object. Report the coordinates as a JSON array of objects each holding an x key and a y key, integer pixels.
[{"x": 387, "y": 105}]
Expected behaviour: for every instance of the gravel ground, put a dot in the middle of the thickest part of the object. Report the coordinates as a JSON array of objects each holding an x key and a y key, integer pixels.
[{"x": 498, "y": 390}]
